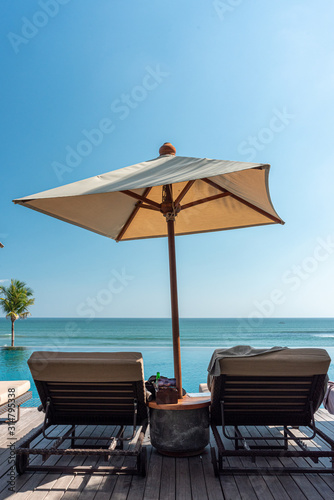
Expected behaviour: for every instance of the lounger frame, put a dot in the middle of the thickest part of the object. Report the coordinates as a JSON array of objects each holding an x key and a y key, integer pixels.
[
  {"x": 287, "y": 402},
  {"x": 103, "y": 403},
  {"x": 8, "y": 407}
]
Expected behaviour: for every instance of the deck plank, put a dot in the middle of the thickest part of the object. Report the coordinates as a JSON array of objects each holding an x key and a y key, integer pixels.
[
  {"x": 322, "y": 487},
  {"x": 124, "y": 482},
  {"x": 47, "y": 481},
  {"x": 261, "y": 488},
  {"x": 20, "y": 483},
  {"x": 198, "y": 485},
  {"x": 302, "y": 483},
  {"x": 59, "y": 488},
  {"x": 291, "y": 488},
  {"x": 305, "y": 484},
  {"x": 121, "y": 489},
  {"x": 227, "y": 483},
  {"x": 138, "y": 484},
  {"x": 229, "y": 488},
  {"x": 329, "y": 479},
  {"x": 182, "y": 483},
  {"x": 24, "y": 423},
  {"x": 76, "y": 486},
  {"x": 68, "y": 486},
  {"x": 213, "y": 484},
  {"x": 167, "y": 478},
  {"x": 276, "y": 488},
  {"x": 152, "y": 488},
  {"x": 31, "y": 421},
  {"x": 245, "y": 488},
  {"x": 108, "y": 483}
]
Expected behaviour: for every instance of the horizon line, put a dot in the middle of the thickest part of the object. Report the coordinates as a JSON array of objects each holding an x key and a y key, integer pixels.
[{"x": 181, "y": 317}]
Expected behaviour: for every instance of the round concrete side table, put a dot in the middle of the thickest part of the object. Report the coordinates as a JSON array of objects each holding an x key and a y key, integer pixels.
[{"x": 181, "y": 429}]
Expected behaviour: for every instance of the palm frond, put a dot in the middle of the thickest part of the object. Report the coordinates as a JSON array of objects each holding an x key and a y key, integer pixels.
[{"x": 16, "y": 299}]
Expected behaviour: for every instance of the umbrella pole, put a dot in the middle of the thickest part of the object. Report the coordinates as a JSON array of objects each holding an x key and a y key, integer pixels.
[{"x": 175, "y": 307}]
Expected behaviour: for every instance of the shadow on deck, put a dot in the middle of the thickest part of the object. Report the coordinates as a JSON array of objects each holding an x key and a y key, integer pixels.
[{"x": 167, "y": 478}]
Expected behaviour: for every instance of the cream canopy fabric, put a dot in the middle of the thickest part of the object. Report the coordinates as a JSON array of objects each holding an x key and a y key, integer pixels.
[{"x": 210, "y": 195}]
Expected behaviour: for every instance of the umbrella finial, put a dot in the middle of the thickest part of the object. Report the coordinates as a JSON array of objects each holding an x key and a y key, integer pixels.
[{"x": 167, "y": 149}]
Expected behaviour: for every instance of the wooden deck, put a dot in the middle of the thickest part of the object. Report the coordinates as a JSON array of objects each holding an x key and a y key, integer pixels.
[{"x": 167, "y": 478}]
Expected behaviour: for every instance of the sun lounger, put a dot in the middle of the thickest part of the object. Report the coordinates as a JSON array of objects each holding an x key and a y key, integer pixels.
[
  {"x": 12, "y": 394},
  {"x": 78, "y": 388},
  {"x": 329, "y": 398},
  {"x": 282, "y": 388}
]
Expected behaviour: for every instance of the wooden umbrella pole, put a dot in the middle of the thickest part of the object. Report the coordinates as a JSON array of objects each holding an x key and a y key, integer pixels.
[{"x": 175, "y": 307}]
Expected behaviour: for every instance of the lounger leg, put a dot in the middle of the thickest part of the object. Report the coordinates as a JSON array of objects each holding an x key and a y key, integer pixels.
[
  {"x": 120, "y": 444},
  {"x": 220, "y": 461},
  {"x": 142, "y": 462},
  {"x": 220, "y": 446},
  {"x": 214, "y": 461},
  {"x": 236, "y": 443},
  {"x": 286, "y": 444},
  {"x": 73, "y": 437}
]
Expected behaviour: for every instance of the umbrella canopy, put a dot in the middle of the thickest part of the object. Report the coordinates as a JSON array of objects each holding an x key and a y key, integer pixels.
[{"x": 193, "y": 195}]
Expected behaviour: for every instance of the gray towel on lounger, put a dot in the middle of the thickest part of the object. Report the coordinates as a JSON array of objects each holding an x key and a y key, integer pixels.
[
  {"x": 329, "y": 398},
  {"x": 238, "y": 351}
]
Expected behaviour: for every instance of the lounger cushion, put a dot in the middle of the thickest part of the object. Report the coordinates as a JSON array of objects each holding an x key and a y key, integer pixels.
[
  {"x": 289, "y": 362},
  {"x": 86, "y": 366},
  {"x": 20, "y": 386}
]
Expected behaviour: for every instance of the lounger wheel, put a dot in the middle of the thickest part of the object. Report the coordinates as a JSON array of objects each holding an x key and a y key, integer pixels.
[
  {"x": 142, "y": 462},
  {"x": 214, "y": 461},
  {"x": 21, "y": 462}
]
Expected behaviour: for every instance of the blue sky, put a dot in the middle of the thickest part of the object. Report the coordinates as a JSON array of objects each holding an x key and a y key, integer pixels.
[{"x": 234, "y": 80}]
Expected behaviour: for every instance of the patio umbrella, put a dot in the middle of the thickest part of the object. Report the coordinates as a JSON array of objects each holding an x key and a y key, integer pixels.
[{"x": 167, "y": 196}]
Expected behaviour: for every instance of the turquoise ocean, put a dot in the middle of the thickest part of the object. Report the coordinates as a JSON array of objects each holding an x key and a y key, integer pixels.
[{"x": 153, "y": 338}]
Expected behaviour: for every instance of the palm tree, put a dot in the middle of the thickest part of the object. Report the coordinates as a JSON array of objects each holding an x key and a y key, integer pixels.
[{"x": 15, "y": 300}]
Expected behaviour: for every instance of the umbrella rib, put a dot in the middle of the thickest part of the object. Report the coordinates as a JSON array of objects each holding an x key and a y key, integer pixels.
[
  {"x": 148, "y": 207},
  {"x": 247, "y": 203},
  {"x": 205, "y": 200},
  {"x": 132, "y": 216},
  {"x": 184, "y": 192},
  {"x": 141, "y": 198},
  {"x": 213, "y": 184}
]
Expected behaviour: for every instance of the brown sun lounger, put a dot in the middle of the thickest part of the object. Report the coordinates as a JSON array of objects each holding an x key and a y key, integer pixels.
[
  {"x": 85, "y": 388},
  {"x": 13, "y": 394},
  {"x": 278, "y": 389}
]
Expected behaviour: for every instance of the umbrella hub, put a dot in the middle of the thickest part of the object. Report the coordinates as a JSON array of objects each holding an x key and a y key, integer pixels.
[{"x": 169, "y": 208}]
